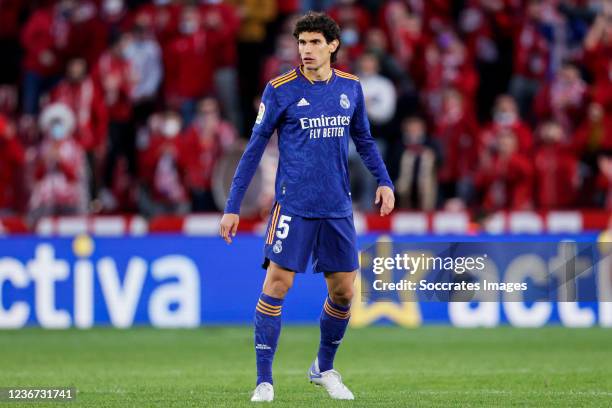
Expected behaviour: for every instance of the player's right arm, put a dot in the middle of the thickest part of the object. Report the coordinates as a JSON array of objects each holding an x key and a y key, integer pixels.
[{"x": 267, "y": 120}]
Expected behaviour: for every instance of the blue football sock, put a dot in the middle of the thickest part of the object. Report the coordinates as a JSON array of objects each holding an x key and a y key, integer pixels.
[
  {"x": 267, "y": 330},
  {"x": 334, "y": 319}
]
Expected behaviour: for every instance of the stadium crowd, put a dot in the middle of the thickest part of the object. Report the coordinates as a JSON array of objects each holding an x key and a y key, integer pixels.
[{"x": 118, "y": 106}]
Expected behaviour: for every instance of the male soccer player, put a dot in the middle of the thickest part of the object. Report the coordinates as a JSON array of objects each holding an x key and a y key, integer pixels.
[{"x": 315, "y": 110}]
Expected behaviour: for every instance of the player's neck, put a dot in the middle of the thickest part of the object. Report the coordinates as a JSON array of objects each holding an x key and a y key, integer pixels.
[{"x": 323, "y": 73}]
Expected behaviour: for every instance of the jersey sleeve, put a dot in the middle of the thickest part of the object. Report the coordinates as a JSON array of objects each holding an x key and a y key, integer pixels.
[
  {"x": 365, "y": 143},
  {"x": 265, "y": 124},
  {"x": 269, "y": 113}
]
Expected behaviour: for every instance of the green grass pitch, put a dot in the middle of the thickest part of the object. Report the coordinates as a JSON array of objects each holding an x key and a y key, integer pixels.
[{"x": 384, "y": 366}]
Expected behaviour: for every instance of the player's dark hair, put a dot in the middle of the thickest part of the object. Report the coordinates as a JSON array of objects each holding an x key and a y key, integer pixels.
[{"x": 313, "y": 22}]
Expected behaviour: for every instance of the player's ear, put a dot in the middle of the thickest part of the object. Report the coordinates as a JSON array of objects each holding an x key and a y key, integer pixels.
[{"x": 333, "y": 46}]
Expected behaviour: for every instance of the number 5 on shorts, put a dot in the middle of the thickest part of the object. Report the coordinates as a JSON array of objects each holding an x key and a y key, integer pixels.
[{"x": 282, "y": 230}]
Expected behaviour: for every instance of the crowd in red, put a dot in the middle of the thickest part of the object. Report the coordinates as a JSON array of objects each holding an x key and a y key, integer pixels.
[{"x": 127, "y": 106}]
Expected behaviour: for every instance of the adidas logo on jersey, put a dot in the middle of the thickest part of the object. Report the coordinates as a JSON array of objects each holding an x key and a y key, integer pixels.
[{"x": 303, "y": 102}]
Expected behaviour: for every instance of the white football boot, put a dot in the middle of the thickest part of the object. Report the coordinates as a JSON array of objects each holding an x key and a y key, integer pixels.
[
  {"x": 331, "y": 381},
  {"x": 264, "y": 392}
]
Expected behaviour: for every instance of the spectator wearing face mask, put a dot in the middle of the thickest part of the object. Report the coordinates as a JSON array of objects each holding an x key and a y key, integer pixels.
[
  {"x": 563, "y": 99},
  {"x": 60, "y": 182},
  {"x": 115, "y": 17},
  {"x": 144, "y": 56},
  {"x": 190, "y": 63},
  {"x": 222, "y": 22},
  {"x": 505, "y": 176},
  {"x": 284, "y": 59},
  {"x": 349, "y": 12},
  {"x": 506, "y": 116},
  {"x": 456, "y": 132},
  {"x": 89, "y": 32},
  {"x": 163, "y": 18},
  {"x": 12, "y": 160},
  {"x": 556, "y": 169},
  {"x": 532, "y": 56},
  {"x": 354, "y": 21},
  {"x": 162, "y": 191},
  {"x": 404, "y": 31},
  {"x": 80, "y": 93},
  {"x": 447, "y": 65},
  {"x": 46, "y": 39},
  {"x": 201, "y": 147},
  {"x": 417, "y": 182},
  {"x": 110, "y": 19}
]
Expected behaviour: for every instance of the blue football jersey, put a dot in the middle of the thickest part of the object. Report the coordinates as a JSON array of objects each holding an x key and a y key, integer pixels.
[{"x": 314, "y": 120}]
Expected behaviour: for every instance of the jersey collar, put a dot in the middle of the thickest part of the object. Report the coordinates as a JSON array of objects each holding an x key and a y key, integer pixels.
[{"x": 332, "y": 76}]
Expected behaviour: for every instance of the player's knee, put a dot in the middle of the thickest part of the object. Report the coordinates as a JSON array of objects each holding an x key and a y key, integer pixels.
[
  {"x": 278, "y": 282},
  {"x": 277, "y": 288},
  {"x": 342, "y": 296}
]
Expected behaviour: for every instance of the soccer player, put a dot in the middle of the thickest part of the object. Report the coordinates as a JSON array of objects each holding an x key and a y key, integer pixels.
[{"x": 315, "y": 109}]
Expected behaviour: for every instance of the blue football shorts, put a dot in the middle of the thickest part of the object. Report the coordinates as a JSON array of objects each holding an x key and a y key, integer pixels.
[{"x": 290, "y": 241}]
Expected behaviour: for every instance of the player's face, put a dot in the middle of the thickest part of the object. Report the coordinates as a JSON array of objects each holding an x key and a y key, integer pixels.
[{"x": 315, "y": 51}]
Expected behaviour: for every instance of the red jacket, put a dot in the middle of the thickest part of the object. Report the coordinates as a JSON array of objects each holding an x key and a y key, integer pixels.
[
  {"x": 44, "y": 31},
  {"x": 459, "y": 144},
  {"x": 222, "y": 23},
  {"x": 165, "y": 20},
  {"x": 149, "y": 160},
  {"x": 556, "y": 177},
  {"x": 597, "y": 59},
  {"x": 12, "y": 159},
  {"x": 59, "y": 174},
  {"x": 149, "y": 155},
  {"x": 520, "y": 129},
  {"x": 351, "y": 14},
  {"x": 547, "y": 104},
  {"x": 113, "y": 76},
  {"x": 506, "y": 183},
  {"x": 591, "y": 137},
  {"x": 189, "y": 66},
  {"x": 87, "y": 102},
  {"x": 198, "y": 157},
  {"x": 531, "y": 54}
]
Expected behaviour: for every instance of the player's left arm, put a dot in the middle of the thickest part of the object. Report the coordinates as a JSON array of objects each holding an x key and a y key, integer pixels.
[{"x": 368, "y": 151}]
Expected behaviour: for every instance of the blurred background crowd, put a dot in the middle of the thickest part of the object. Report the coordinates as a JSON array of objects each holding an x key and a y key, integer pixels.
[{"x": 119, "y": 106}]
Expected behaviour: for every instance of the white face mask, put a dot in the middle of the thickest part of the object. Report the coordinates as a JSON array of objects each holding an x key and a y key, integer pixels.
[
  {"x": 188, "y": 27},
  {"x": 112, "y": 7},
  {"x": 505, "y": 118},
  {"x": 349, "y": 37},
  {"x": 171, "y": 128},
  {"x": 58, "y": 131}
]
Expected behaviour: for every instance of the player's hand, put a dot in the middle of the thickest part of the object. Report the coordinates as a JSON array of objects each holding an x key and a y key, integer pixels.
[
  {"x": 384, "y": 196},
  {"x": 228, "y": 226}
]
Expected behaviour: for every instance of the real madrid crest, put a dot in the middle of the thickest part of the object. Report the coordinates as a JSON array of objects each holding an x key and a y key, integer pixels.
[
  {"x": 278, "y": 247},
  {"x": 344, "y": 101}
]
